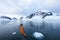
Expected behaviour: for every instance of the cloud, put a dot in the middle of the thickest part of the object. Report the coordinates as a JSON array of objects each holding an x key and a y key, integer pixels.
[
  {"x": 52, "y": 3},
  {"x": 11, "y": 7},
  {"x": 25, "y": 7}
]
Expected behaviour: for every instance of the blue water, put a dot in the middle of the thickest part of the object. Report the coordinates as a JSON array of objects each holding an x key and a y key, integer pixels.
[{"x": 50, "y": 30}]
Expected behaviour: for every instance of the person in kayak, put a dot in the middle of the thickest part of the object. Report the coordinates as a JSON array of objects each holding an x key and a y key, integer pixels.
[{"x": 22, "y": 31}]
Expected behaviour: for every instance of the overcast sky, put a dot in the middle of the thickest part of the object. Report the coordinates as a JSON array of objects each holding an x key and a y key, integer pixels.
[{"x": 17, "y": 8}]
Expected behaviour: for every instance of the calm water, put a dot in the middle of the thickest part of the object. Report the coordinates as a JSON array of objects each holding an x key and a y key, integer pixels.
[{"x": 50, "y": 30}]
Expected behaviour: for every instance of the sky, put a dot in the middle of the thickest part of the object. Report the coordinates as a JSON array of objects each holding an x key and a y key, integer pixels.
[{"x": 18, "y": 8}]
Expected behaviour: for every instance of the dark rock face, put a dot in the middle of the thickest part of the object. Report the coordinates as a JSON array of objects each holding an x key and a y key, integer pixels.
[
  {"x": 31, "y": 16},
  {"x": 21, "y": 18},
  {"x": 47, "y": 14}
]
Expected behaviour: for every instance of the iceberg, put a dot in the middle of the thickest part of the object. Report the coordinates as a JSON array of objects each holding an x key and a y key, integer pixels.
[
  {"x": 14, "y": 33},
  {"x": 38, "y": 35}
]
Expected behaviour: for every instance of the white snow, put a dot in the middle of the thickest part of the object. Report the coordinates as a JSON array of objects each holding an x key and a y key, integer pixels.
[
  {"x": 38, "y": 35},
  {"x": 47, "y": 18},
  {"x": 14, "y": 33}
]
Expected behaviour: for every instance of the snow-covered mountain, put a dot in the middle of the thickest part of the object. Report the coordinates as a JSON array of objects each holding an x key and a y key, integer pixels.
[
  {"x": 40, "y": 13},
  {"x": 6, "y": 19},
  {"x": 14, "y": 18}
]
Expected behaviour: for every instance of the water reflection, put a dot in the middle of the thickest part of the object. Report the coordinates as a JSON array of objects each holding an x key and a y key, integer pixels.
[
  {"x": 43, "y": 25},
  {"x": 50, "y": 29},
  {"x": 4, "y": 21}
]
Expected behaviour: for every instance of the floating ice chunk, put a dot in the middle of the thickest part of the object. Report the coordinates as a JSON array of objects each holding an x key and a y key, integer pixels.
[
  {"x": 14, "y": 33},
  {"x": 38, "y": 35}
]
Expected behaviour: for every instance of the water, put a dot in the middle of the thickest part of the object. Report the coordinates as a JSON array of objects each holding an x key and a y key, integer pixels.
[{"x": 50, "y": 30}]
